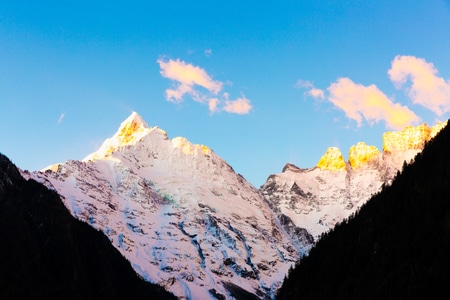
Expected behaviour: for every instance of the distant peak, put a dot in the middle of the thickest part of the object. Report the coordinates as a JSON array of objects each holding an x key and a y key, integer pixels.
[
  {"x": 291, "y": 167},
  {"x": 332, "y": 160}
]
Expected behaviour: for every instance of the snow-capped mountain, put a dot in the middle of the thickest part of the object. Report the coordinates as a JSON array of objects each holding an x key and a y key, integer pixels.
[
  {"x": 318, "y": 198},
  {"x": 187, "y": 221},
  {"x": 179, "y": 214}
]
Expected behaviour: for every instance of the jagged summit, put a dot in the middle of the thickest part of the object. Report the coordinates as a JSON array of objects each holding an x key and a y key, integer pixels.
[
  {"x": 316, "y": 199},
  {"x": 360, "y": 155},
  {"x": 130, "y": 129},
  {"x": 134, "y": 129}
]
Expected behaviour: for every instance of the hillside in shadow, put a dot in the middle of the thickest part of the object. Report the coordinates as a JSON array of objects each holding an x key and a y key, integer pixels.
[{"x": 48, "y": 254}]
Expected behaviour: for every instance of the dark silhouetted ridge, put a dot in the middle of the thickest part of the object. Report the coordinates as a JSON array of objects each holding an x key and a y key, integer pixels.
[
  {"x": 396, "y": 247},
  {"x": 47, "y": 254}
]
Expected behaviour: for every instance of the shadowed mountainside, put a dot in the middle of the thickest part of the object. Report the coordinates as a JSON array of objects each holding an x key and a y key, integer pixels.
[{"x": 48, "y": 254}]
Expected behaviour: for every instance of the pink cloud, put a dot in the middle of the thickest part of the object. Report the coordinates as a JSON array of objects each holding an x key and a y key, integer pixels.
[
  {"x": 427, "y": 88},
  {"x": 313, "y": 91},
  {"x": 239, "y": 106},
  {"x": 368, "y": 102},
  {"x": 187, "y": 77},
  {"x": 212, "y": 104},
  {"x": 316, "y": 93}
]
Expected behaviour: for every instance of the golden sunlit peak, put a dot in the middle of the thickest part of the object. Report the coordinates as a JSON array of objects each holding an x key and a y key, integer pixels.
[
  {"x": 129, "y": 129},
  {"x": 332, "y": 160},
  {"x": 361, "y": 154},
  {"x": 133, "y": 129},
  {"x": 410, "y": 138}
]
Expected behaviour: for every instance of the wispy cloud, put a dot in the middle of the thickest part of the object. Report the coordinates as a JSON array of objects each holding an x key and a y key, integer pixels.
[
  {"x": 208, "y": 52},
  {"x": 193, "y": 81},
  {"x": 312, "y": 90},
  {"x": 369, "y": 103},
  {"x": 427, "y": 88},
  {"x": 61, "y": 118}
]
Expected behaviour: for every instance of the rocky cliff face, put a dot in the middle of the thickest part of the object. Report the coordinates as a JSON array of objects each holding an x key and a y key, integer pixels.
[
  {"x": 316, "y": 199},
  {"x": 179, "y": 214}
]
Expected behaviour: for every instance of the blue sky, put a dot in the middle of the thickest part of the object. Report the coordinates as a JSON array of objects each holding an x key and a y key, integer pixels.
[{"x": 261, "y": 83}]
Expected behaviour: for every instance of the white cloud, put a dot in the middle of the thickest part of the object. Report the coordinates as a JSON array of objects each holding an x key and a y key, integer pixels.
[
  {"x": 198, "y": 84},
  {"x": 368, "y": 102},
  {"x": 61, "y": 118},
  {"x": 427, "y": 88}
]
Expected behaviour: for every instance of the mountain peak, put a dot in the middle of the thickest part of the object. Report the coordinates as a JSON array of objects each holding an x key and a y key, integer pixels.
[
  {"x": 360, "y": 154},
  {"x": 131, "y": 129},
  {"x": 332, "y": 160},
  {"x": 134, "y": 118}
]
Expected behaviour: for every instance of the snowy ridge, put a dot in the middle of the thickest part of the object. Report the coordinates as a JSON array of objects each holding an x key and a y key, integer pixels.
[
  {"x": 318, "y": 198},
  {"x": 178, "y": 213}
]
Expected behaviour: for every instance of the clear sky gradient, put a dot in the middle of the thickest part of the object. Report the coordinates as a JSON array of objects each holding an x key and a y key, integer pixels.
[{"x": 262, "y": 83}]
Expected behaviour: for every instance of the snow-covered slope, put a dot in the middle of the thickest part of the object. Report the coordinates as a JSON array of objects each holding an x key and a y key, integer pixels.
[
  {"x": 178, "y": 213},
  {"x": 318, "y": 198}
]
